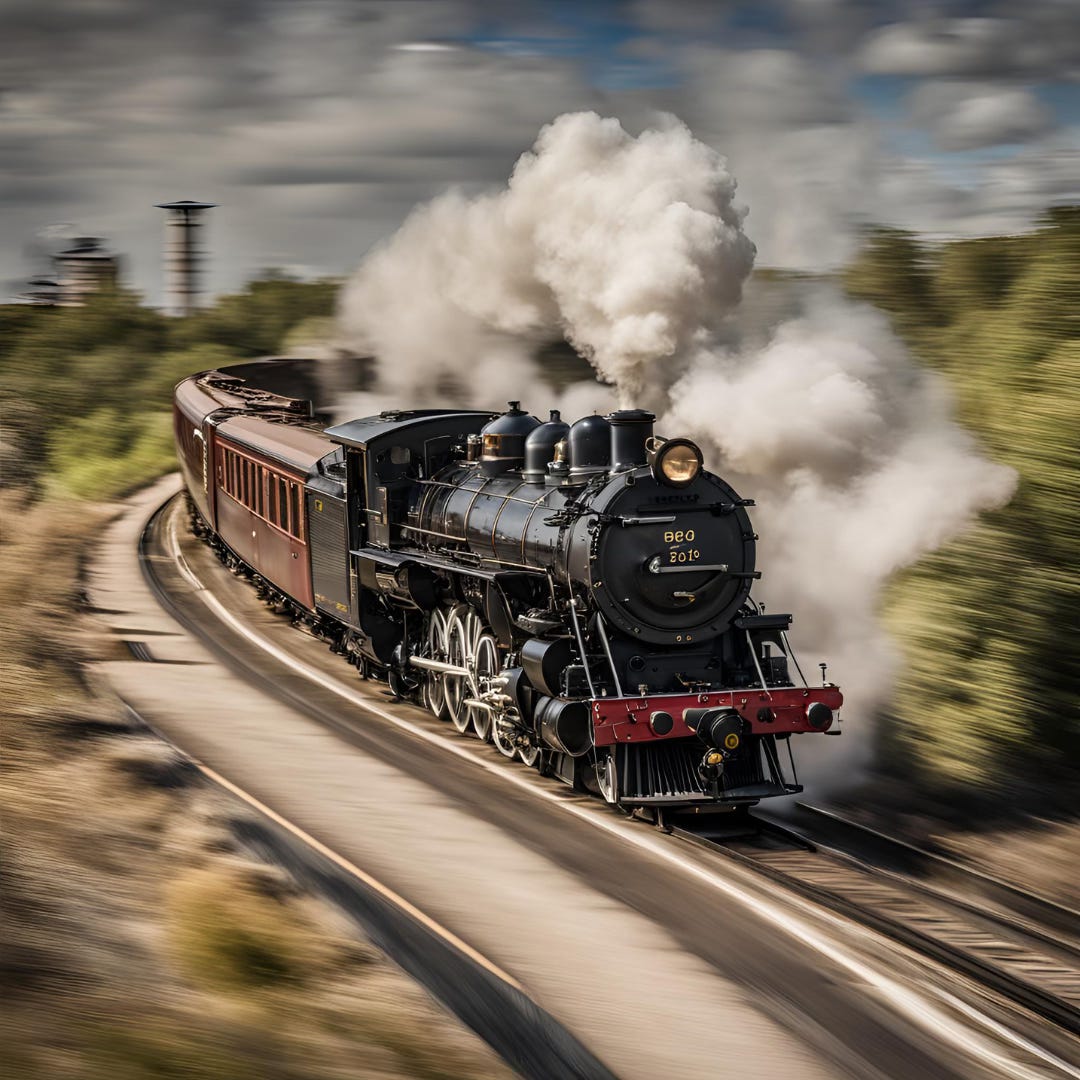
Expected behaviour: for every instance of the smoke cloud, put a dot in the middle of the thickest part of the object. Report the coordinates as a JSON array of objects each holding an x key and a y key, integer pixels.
[
  {"x": 630, "y": 248},
  {"x": 857, "y": 467},
  {"x": 633, "y": 249}
]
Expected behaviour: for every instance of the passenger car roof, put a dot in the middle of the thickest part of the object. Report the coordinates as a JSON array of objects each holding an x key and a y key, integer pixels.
[{"x": 299, "y": 446}]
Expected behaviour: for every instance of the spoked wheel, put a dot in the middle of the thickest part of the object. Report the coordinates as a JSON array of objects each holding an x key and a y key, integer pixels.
[
  {"x": 456, "y": 687},
  {"x": 484, "y": 667},
  {"x": 529, "y": 754},
  {"x": 511, "y": 739},
  {"x": 399, "y": 687},
  {"x": 436, "y": 649},
  {"x": 474, "y": 627},
  {"x": 504, "y": 732}
]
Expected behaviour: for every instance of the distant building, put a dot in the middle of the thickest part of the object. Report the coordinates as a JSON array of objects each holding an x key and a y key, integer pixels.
[
  {"x": 182, "y": 254},
  {"x": 40, "y": 292},
  {"x": 84, "y": 268}
]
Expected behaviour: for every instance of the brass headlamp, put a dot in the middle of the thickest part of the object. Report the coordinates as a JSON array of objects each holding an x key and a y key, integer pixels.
[{"x": 675, "y": 462}]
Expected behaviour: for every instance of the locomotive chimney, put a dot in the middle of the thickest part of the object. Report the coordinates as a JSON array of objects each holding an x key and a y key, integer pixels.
[{"x": 631, "y": 429}]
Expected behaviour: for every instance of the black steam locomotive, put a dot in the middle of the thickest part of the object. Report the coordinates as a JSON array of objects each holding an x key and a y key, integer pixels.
[{"x": 578, "y": 594}]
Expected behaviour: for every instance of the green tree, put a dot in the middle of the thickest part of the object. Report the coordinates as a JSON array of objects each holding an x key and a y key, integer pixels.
[
  {"x": 893, "y": 271},
  {"x": 86, "y": 392},
  {"x": 988, "y": 624},
  {"x": 255, "y": 321}
]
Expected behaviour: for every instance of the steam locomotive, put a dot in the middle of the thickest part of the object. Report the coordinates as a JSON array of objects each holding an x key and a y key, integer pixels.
[{"x": 577, "y": 594}]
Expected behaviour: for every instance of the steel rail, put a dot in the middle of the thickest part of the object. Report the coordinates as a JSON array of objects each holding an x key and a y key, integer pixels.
[
  {"x": 1040, "y": 914},
  {"x": 474, "y": 988},
  {"x": 964, "y": 961}
]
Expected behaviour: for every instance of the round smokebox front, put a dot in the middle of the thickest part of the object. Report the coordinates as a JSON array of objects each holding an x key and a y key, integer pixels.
[{"x": 672, "y": 566}]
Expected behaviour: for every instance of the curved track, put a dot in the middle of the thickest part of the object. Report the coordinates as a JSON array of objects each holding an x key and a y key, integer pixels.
[
  {"x": 679, "y": 890},
  {"x": 467, "y": 982},
  {"x": 1044, "y": 920},
  {"x": 1027, "y": 966}
]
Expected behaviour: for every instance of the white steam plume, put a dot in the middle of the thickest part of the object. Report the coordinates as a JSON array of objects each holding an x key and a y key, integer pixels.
[
  {"x": 630, "y": 248},
  {"x": 857, "y": 468},
  {"x": 633, "y": 250}
]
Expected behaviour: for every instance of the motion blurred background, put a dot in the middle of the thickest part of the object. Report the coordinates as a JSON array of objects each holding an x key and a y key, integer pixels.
[
  {"x": 914, "y": 167},
  {"x": 924, "y": 157},
  {"x": 321, "y": 124}
]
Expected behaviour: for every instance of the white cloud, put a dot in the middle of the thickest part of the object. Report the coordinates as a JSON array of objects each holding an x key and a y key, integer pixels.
[
  {"x": 1043, "y": 40},
  {"x": 316, "y": 127},
  {"x": 803, "y": 155},
  {"x": 938, "y": 47},
  {"x": 1004, "y": 196},
  {"x": 967, "y": 116},
  {"x": 424, "y": 46}
]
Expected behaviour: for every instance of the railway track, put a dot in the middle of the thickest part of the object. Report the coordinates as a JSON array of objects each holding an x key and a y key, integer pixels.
[
  {"x": 470, "y": 985},
  {"x": 1052, "y": 923},
  {"x": 1032, "y": 967},
  {"x": 1040, "y": 917},
  {"x": 1037, "y": 978}
]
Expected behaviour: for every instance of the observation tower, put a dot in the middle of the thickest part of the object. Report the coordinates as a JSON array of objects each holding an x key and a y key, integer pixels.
[{"x": 182, "y": 254}]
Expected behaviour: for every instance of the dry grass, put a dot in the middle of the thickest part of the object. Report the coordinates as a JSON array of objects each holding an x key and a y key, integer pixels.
[
  {"x": 139, "y": 940},
  {"x": 235, "y": 940},
  {"x": 40, "y": 549}
]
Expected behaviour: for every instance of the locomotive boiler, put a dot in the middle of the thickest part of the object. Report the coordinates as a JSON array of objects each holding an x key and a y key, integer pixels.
[{"x": 577, "y": 594}]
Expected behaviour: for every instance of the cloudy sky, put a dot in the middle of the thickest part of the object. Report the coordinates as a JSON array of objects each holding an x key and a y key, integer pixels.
[{"x": 317, "y": 125}]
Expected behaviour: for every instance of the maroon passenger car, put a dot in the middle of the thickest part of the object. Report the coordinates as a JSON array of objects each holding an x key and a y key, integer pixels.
[{"x": 245, "y": 456}]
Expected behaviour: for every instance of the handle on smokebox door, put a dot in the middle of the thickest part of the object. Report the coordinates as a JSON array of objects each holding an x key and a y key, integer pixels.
[{"x": 654, "y": 566}]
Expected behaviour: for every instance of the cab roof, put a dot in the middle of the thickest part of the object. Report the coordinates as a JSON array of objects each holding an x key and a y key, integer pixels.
[{"x": 407, "y": 423}]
